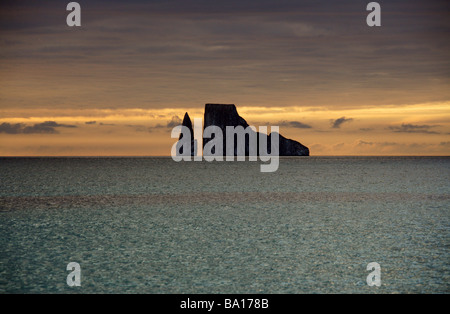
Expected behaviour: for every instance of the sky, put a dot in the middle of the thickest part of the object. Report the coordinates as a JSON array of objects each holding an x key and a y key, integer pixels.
[{"x": 116, "y": 85}]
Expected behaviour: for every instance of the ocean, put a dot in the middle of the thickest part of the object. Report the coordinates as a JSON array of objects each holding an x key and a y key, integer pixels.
[{"x": 152, "y": 225}]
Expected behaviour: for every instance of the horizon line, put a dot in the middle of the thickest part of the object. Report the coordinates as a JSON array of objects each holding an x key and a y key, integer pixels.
[{"x": 168, "y": 156}]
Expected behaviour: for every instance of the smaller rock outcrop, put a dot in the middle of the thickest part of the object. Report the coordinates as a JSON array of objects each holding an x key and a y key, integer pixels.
[{"x": 187, "y": 123}]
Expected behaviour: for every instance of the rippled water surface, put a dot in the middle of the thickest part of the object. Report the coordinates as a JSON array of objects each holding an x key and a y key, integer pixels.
[{"x": 151, "y": 225}]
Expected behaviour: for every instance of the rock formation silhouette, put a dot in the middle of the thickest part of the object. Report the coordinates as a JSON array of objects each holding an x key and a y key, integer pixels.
[{"x": 223, "y": 115}]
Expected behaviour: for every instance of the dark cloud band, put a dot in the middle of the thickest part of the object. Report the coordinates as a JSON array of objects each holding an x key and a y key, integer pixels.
[{"x": 47, "y": 127}]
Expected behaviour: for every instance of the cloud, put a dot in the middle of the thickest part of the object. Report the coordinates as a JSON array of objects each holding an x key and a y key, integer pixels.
[
  {"x": 413, "y": 128},
  {"x": 294, "y": 124},
  {"x": 150, "y": 129},
  {"x": 339, "y": 146},
  {"x": 47, "y": 127},
  {"x": 176, "y": 120},
  {"x": 362, "y": 143},
  {"x": 11, "y": 128},
  {"x": 171, "y": 124},
  {"x": 137, "y": 127},
  {"x": 338, "y": 122}
]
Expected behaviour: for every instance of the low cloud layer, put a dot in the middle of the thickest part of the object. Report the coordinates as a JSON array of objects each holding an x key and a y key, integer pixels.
[
  {"x": 47, "y": 127},
  {"x": 412, "y": 128},
  {"x": 176, "y": 120},
  {"x": 294, "y": 124},
  {"x": 173, "y": 122}
]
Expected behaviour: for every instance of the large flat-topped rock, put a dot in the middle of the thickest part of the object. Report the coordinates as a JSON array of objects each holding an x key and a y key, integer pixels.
[{"x": 223, "y": 115}]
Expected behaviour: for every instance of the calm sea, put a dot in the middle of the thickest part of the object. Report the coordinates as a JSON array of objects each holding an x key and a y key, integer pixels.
[{"x": 151, "y": 225}]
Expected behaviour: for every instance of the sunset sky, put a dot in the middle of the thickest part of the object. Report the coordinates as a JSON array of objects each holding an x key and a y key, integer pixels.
[{"x": 118, "y": 84}]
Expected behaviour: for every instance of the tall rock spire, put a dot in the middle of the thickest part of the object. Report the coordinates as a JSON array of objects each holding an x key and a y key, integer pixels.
[{"x": 188, "y": 123}]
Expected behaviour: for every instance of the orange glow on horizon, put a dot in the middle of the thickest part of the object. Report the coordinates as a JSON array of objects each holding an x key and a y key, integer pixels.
[{"x": 419, "y": 129}]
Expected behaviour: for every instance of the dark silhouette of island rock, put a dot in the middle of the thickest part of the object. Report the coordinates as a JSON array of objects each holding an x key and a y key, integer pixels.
[
  {"x": 222, "y": 115},
  {"x": 187, "y": 123}
]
